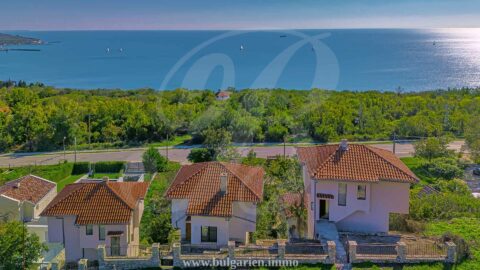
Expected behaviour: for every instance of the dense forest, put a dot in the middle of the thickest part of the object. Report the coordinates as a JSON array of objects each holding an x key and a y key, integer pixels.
[{"x": 37, "y": 117}]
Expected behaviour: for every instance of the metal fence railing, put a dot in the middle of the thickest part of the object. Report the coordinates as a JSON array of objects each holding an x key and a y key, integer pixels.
[
  {"x": 256, "y": 252},
  {"x": 202, "y": 249},
  {"x": 306, "y": 249},
  {"x": 377, "y": 249},
  {"x": 426, "y": 250},
  {"x": 128, "y": 251}
]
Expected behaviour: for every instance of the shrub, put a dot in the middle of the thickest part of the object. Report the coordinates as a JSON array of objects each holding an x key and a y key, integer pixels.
[
  {"x": 463, "y": 250},
  {"x": 445, "y": 168},
  {"x": 109, "y": 166},
  {"x": 200, "y": 155},
  {"x": 153, "y": 161},
  {"x": 81, "y": 167},
  {"x": 53, "y": 173}
]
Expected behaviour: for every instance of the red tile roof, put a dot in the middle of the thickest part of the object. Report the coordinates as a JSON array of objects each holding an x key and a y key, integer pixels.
[
  {"x": 27, "y": 188},
  {"x": 200, "y": 184},
  {"x": 359, "y": 163},
  {"x": 223, "y": 94},
  {"x": 98, "y": 203}
]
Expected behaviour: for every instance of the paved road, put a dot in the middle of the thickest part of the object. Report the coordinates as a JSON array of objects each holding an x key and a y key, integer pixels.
[{"x": 180, "y": 155}]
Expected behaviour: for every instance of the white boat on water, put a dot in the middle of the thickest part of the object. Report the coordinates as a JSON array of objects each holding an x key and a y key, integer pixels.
[
  {"x": 241, "y": 48},
  {"x": 108, "y": 50}
]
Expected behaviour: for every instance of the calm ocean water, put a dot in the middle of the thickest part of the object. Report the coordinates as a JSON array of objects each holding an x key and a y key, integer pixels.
[{"x": 414, "y": 60}]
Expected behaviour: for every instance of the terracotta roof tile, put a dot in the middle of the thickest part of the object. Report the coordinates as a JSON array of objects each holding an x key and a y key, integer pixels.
[
  {"x": 358, "y": 163},
  {"x": 200, "y": 184},
  {"x": 27, "y": 188},
  {"x": 98, "y": 203}
]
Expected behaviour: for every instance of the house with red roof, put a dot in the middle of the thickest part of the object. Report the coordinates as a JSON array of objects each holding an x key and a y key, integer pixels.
[
  {"x": 222, "y": 95},
  {"x": 354, "y": 186},
  {"x": 216, "y": 202},
  {"x": 85, "y": 215},
  {"x": 24, "y": 199}
]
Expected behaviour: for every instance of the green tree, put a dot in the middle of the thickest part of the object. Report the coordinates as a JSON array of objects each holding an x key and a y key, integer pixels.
[
  {"x": 19, "y": 249},
  {"x": 153, "y": 161},
  {"x": 432, "y": 147},
  {"x": 217, "y": 141},
  {"x": 200, "y": 155},
  {"x": 472, "y": 137}
]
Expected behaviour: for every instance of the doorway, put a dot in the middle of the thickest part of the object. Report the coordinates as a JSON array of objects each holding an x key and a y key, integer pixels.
[
  {"x": 115, "y": 246},
  {"x": 188, "y": 231},
  {"x": 323, "y": 209}
]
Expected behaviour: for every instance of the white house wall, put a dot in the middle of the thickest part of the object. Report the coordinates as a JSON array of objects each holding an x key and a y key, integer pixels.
[
  {"x": 221, "y": 223},
  {"x": 44, "y": 202},
  {"x": 179, "y": 208}
]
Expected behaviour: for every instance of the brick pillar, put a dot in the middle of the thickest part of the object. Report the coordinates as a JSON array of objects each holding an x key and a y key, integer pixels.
[
  {"x": 101, "y": 254},
  {"x": 231, "y": 250},
  {"x": 83, "y": 264},
  {"x": 155, "y": 259},
  {"x": 352, "y": 251},
  {"x": 331, "y": 251},
  {"x": 177, "y": 251},
  {"x": 401, "y": 252},
  {"x": 281, "y": 249},
  {"x": 451, "y": 252}
]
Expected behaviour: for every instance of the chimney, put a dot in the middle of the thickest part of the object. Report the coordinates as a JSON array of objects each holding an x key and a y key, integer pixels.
[
  {"x": 344, "y": 145},
  {"x": 223, "y": 182},
  {"x": 106, "y": 179},
  {"x": 17, "y": 185}
]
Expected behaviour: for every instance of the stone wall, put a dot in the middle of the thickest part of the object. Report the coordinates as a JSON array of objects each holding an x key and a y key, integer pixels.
[{"x": 126, "y": 263}]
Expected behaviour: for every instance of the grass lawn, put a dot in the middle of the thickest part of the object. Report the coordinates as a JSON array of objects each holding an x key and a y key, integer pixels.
[
  {"x": 68, "y": 180},
  {"x": 110, "y": 175},
  {"x": 176, "y": 141},
  {"x": 415, "y": 164}
]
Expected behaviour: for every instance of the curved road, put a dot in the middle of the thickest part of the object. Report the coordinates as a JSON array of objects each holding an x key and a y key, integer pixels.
[{"x": 175, "y": 154}]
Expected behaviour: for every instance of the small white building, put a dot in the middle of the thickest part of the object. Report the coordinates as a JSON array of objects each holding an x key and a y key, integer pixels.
[
  {"x": 216, "y": 202},
  {"x": 354, "y": 186},
  {"x": 85, "y": 215},
  {"x": 24, "y": 199}
]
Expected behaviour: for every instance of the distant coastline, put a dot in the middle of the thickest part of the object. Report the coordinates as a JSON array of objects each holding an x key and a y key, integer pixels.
[{"x": 6, "y": 40}]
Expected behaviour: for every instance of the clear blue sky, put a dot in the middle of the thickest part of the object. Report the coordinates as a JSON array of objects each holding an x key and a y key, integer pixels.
[{"x": 239, "y": 14}]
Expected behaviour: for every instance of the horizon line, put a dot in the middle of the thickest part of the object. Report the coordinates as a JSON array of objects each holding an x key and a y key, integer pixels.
[{"x": 238, "y": 29}]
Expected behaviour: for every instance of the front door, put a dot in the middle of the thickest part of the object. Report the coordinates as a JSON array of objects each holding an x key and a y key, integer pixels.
[
  {"x": 323, "y": 214},
  {"x": 188, "y": 231},
  {"x": 115, "y": 246}
]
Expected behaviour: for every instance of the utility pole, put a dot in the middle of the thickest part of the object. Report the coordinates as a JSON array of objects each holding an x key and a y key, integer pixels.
[
  {"x": 75, "y": 142},
  {"x": 167, "y": 147},
  {"x": 284, "y": 147},
  {"x": 394, "y": 141},
  {"x": 89, "y": 132},
  {"x": 64, "y": 150},
  {"x": 23, "y": 235}
]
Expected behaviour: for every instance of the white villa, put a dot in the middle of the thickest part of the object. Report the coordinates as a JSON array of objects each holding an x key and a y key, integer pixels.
[
  {"x": 354, "y": 186},
  {"x": 85, "y": 215},
  {"x": 24, "y": 199},
  {"x": 215, "y": 202}
]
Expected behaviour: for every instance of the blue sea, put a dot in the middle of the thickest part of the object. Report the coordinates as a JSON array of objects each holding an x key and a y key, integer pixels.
[{"x": 380, "y": 59}]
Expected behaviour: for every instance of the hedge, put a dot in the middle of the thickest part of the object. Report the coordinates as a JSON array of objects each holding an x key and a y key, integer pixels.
[
  {"x": 53, "y": 173},
  {"x": 109, "y": 166},
  {"x": 81, "y": 168}
]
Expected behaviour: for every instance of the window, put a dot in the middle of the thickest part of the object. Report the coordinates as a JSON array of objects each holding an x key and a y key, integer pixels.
[
  {"x": 361, "y": 192},
  {"x": 209, "y": 234},
  {"x": 101, "y": 232},
  {"x": 342, "y": 194},
  {"x": 89, "y": 229}
]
